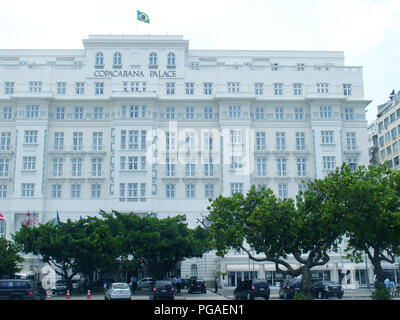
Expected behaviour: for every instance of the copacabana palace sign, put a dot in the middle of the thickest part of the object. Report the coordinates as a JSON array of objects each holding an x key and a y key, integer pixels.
[{"x": 133, "y": 74}]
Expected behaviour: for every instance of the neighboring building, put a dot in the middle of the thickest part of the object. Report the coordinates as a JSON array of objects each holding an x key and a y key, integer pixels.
[
  {"x": 384, "y": 133},
  {"x": 144, "y": 123}
]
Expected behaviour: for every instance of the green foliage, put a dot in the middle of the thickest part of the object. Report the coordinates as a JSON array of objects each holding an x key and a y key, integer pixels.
[
  {"x": 381, "y": 293},
  {"x": 9, "y": 258},
  {"x": 299, "y": 296}
]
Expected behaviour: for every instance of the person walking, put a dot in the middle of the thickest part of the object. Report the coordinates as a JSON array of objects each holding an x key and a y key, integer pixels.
[
  {"x": 178, "y": 285},
  {"x": 105, "y": 284},
  {"x": 216, "y": 284},
  {"x": 134, "y": 283}
]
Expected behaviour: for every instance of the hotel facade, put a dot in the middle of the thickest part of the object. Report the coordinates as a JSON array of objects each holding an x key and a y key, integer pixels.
[{"x": 144, "y": 124}]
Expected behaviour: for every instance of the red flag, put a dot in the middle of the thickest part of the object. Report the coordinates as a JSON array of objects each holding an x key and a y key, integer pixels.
[
  {"x": 1, "y": 217},
  {"x": 27, "y": 219}
]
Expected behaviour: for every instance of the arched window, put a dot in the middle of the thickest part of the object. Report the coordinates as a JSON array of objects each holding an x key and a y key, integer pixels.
[
  {"x": 117, "y": 58},
  {"x": 193, "y": 270},
  {"x": 153, "y": 59},
  {"x": 99, "y": 59},
  {"x": 171, "y": 59},
  {"x": 2, "y": 229}
]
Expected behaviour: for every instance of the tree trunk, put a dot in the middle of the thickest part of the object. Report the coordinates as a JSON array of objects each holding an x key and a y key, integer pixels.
[
  {"x": 306, "y": 283},
  {"x": 380, "y": 276}
]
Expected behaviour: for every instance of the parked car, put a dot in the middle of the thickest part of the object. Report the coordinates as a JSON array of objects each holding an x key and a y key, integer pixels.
[
  {"x": 197, "y": 284},
  {"x": 118, "y": 291},
  {"x": 145, "y": 283},
  {"x": 289, "y": 287},
  {"x": 162, "y": 289},
  {"x": 60, "y": 288},
  {"x": 17, "y": 289},
  {"x": 250, "y": 289},
  {"x": 326, "y": 289},
  {"x": 185, "y": 283}
]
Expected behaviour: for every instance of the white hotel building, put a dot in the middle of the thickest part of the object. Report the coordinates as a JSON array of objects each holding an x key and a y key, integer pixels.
[{"x": 145, "y": 124}]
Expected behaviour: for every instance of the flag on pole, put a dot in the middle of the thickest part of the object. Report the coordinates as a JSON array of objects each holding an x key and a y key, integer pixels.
[
  {"x": 28, "y": 218},
  {"x": 141, "y": 16},
  {"x": 80, "y": 217},
  {"x": 58, "y": 218},
  {"x": 34, "y": 218},
  {"x": 1, "y": 217}
]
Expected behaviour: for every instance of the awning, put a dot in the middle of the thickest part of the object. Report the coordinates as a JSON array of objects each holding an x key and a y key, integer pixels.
[
  {"x": 271, "y": 266},
  {"x": 242, "y": 267}
]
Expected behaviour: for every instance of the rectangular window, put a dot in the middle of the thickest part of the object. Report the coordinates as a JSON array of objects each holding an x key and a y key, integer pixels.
[
  {"x": 99, "y": 88},
  {"x": 190, "y": 169},
  {"x": 133, "y": 142},
  {"x": 300, "y": 66},
  {"x": 170, "y": 191},
  {"x": 170, "y": 113},
  {"x": 236, "y": 163},
  {"x": 190, "y": 192},
  {"x": 5, "y": 142},
  {"x": 209, "y": 168},
  {"x": 347, "y": 89},
  {"x": 208, "y": 142},
  {"x": 98, "y": 113},
  {"x": 143, "y": 137},
  {"x": 132, "y": 192},
  {"x": 236, "y": 188},
  {"x": 260, "y": 141},
  {"x": 170, "y": 88},
  {"x": 280, "y": 141},
  {"x": 299, "y": 113},
  {"x": 259, "y": 89},
  {"x": 278, "y": 89},
  {"x": 329, "y": 163},
  {"x": 392, "y": 117},
  {"x": 4, "y": 166},
  {"x": 208, "y": 113},
  {"x": 56, "y": 191},
  {"x": 9, "y": 87},
  {"x": 77, "y": 139},
  {"x": 327, "y": 137},
  {"x": 189, "y": 88},
  {"x": 97, "y": 141},
  {"x": 352, "y": 164},
  {"x": 57, "y": 167},
  {"x": 35, "y": 86},
  {"x": 233, "y": 87},
  {"x": 325, "y": 112},
  {"x": 75, "y": 191},
  {"x": 279, "y": 113},
  {"x": 262, "y": 167},
  {"x": 208, "y": 88},
  {"x": 78, "y": 113},
  {"x": 30, "y": 136},
  {"x": 322, "y": 87},
  {"x": 60, "y": 113},
  {"x": 96, "y": 167},
  {"x": 297, "y": 89},
  {"x": 32, "y": 112},
  {"x": 282, "y": 191},
  {"x": 282, "y": 169},
  {"x": 301, "y": 167},
  {"x": 170, "y": 141},
  {"x": 61, "y": 87},
  {"x": 394, "y": 133},
  {"x": 300, "y": 141},
  {"x": 27, "y": 190},
  {"x": 234, "y": 112},
  {"x": 58, "y": 141},
  {"x": 79, "y": 88},
  {"x": 189, "y": 113},
  {"x": 275, "y": 66},
  {"x": 209, "y": 191},
  {"x": 142, "y": 192},
  {"x": 259, "y": 113},
  {"x": 351, "y": 141},
  {"x": 3, "y": 191},
  {"x": 349, "y": 114},
  {"x": 77, "y": 167},
  {"x": 7, "y": 113},
  {"x": 170, "y": 167},
  {"x": 236, "y": 136},
  {"x": 302, "y": 187},
  {"x": 96, "y": 191}
]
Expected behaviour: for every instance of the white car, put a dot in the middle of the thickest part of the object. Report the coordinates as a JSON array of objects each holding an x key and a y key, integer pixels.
[
  {"x": 145, "y": 283},
  {"x": 118, "y": 291}
]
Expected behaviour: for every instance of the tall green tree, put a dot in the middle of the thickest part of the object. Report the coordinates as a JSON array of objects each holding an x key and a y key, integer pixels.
[
  {"x": 372, "y": 197},
  {"x": 159, "y": 244},
  {"x": 9, "y": 258},
  {"x": 276, "y": 228}
]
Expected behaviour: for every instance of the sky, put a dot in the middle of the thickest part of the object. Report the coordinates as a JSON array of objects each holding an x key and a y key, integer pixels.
[{"x": 368, "y": 31}]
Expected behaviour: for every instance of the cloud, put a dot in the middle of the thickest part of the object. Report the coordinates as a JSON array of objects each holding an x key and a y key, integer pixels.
[{"x": 358, "y": 25}]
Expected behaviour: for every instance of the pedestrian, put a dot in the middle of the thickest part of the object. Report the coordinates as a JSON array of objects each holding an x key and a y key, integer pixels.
[
  {"x": 387, "y": 282},
  {"x": 105, "y": 284},
  {"x": 216, "y": 284},
  {"x": 341, "y": 276},
  {"x": 134, "y": 283},
  {"x": 375, "y": 280},
  {"x": 174, "y": 280}
]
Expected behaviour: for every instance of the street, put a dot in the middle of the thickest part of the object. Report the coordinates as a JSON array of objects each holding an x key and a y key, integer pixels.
[{"x": 223, "y": 294}]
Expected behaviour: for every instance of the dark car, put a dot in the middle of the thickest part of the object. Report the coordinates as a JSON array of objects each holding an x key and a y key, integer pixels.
[
  {"x": 60, "y": 288},
  {"x": 197, "y": 284},
  {"x": 250, "y": 289},
  {"x": 163, "y": 290},
  {"x": 16, "y": 289},
  {"x": 326, "y": 289},
  {"x": 288, "y": 288}
]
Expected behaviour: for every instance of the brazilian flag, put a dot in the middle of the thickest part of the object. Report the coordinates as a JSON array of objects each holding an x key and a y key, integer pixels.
[{"x": 141, "y": 16}]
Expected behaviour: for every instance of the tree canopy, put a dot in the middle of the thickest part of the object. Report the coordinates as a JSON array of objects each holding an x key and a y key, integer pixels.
[{"x": 9, "y": 258}]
